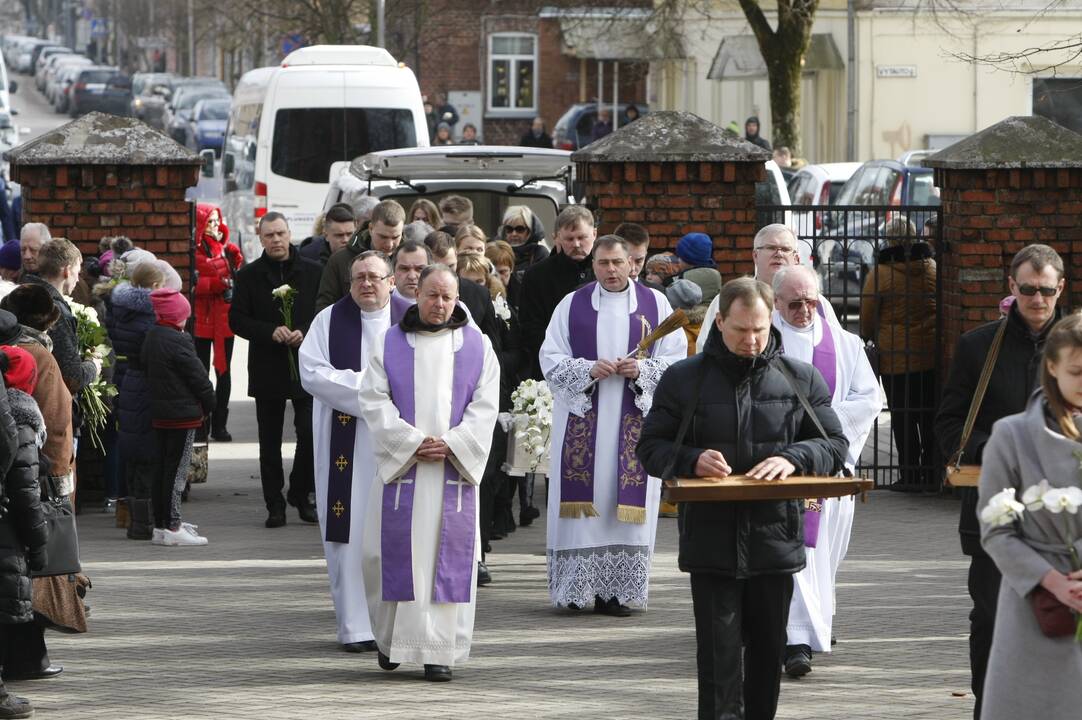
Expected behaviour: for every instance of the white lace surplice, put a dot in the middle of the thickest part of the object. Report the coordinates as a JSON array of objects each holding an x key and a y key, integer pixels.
[{"x": 600, "y": 555}]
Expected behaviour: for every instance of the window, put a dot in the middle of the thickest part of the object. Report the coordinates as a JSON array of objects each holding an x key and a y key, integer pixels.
[
  {"x": 308, "y": 140},
  {"x": 1059, "y": 100},
  {"x": 512, "y": 73},
  {"x": 240, "y": 143}
]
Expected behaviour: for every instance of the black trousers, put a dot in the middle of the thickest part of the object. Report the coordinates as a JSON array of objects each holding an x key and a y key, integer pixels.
[
  {"x": 983, "y": 582},
  {"x": 270, "y": 415},
  {"x": 22, "y": 649},
  {"x": 730, "y": 614},
  {"x": 224, "y": 381},
  {"x": 171, "y": 475},
  {"x": 911, "y": 399}
]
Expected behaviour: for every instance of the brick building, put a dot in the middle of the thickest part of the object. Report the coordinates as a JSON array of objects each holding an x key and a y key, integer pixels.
[{"x": 503, "y": 62}]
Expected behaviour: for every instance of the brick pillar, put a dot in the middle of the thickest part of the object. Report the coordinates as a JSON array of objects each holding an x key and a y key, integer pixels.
[
  {"x": 675, "y": 173},
  {"x": 1016, "y": 183}
]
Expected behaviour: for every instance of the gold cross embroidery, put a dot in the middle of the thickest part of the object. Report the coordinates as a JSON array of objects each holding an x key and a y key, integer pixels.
[
  {"x": 338, "y": 508},
  {"x": 344, "y": 419},
  {"x": 646, "y": 330},
  {"x": 341, "y": 462}
]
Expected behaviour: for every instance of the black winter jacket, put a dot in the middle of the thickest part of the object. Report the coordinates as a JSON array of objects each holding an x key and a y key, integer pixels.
[
  {"x": 131, "y": 320},
  {"x": 745, "y": 409},
  {"x": 316, "y": 248},
  {"x": 1015, "y": 376},
  {"x": 78, "y": 373},
  {"x": 9, "y": 443},
  {"x": 23, "y": 532},
  {"x": 543, "y": 287},
  {"x": 179, "y": 386},
  {"x": 333, "y": 283},
  {"x": 255, "y": 314}
]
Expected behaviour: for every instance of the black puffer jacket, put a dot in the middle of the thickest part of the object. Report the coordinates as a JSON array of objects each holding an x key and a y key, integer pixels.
[
  {"x": 745, "y": 409},
  {"x": 255, "y": 314},
  {"x": 23, "y": 532},
  {"x": 1013, "y": 380},
  {"x": 131, "y": 320},
  {"x": 179, "y": 387},
  {"x": 9, "y": 444},
  {"x": 543, "y": 287},
  {"x": 527, "y": 255}
]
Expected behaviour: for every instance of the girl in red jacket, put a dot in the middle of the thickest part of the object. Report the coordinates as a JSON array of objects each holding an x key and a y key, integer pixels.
[{"x": 216, "y": 259}]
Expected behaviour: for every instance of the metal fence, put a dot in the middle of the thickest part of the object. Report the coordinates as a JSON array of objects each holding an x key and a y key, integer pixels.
[{"x": 877, "y": 268}]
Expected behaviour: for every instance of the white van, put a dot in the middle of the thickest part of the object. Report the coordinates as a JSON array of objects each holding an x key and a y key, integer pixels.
[{"x": 289, "y": 124}]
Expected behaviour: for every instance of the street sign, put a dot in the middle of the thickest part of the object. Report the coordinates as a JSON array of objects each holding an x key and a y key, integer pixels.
[
  {"x": 99, "y": 27},
  {"x": 896, "y": 71}
]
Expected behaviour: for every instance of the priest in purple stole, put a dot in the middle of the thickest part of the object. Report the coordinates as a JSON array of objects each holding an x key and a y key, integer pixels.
[
  {"x": 429, "y": 398},
  {"x": 602, "y": 510},
  {"x": 333, "y": 361},
  {"x": 808, "y": 335}
]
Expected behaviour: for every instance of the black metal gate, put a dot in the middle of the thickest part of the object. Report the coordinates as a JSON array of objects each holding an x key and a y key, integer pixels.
[{"x": 877, "y": 268}]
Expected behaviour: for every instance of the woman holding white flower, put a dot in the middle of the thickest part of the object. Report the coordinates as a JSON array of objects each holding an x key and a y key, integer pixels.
[{"x": 1030, "y": 493}]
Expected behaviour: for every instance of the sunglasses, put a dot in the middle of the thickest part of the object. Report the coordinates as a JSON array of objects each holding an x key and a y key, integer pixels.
[
  {"x": 516, "y": 228},
  {"x": 810, "y": 303},
  {"x": 1031, "y": 290}
]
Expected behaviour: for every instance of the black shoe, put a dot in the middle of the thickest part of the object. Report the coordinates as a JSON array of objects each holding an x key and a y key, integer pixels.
[
  {"x": 484, "y": 577},
  {"x": 611, "y": 607},
  {"x": 276, "y": 518},
  {"x": 51, "y": 671},
  {"x": 15, "y": 707},
  {"x": 798, "y": 660},
  {"x": 360, "y": 647},
  {"x": 385, "y": 662},
  {"x": 221, "y": 435},
  {"x": 527, "y": 516},
  {"x": 833, "y": 641},
  {"x": 307, "y": 511},
  {"x": 437, "y": 673}
]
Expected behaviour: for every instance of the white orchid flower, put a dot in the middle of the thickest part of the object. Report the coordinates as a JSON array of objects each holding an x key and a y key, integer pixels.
[
  {"x": 1033, "y": 497},
  {"x": 1057, "y": 500},
  {"x": 1002, "y": 509}
]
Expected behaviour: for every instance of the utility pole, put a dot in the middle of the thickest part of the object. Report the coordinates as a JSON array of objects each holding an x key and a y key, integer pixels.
[
  {"x": 851, "y": 83},
  {"x": 380, "y": 14},
  {"x": 191, "y": 38}
]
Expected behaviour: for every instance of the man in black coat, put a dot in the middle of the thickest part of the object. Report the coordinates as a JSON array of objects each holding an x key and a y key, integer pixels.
[
  {"x": 747, "y": 420},
  {"x": 1036, "y": 282},
  {"x": 338, "y": 227},
  {"x": 256, "y": 315},
  {"x": 545, "y": 284},
  {"x": 536, "y": 135}
]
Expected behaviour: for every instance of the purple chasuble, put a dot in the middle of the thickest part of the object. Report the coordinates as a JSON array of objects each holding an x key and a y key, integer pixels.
[
  {"x": 580, "y": 437},
  {"x": 825, "y": 360},
  {"x": 344, "y": 348},
  {"x": 458, "y": 522}
]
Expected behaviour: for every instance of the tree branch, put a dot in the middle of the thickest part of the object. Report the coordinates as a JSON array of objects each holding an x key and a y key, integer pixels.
[{"x": 759, "y": 25}]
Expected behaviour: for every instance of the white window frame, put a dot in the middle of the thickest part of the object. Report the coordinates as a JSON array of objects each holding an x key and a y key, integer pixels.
[{"x": 491, "y": 111}]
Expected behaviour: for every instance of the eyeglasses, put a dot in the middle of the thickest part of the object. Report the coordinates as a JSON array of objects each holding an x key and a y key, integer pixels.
[
  {"x": 810, "y": 303},
  {"x": 776, "y": 249},
  {"x": 369, "y": 278},
  {"x": 1031, "y": 290},
  {"x": 516, "y": 228}
]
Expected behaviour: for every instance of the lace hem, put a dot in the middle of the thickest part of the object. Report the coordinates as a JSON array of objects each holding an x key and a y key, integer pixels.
[
  {"x": 614, "y": 571},
  {"x": 568, "y": 380},
  {"x": 650, "y": 372}
]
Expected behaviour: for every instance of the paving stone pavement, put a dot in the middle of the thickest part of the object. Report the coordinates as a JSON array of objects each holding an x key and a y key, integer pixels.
[{"x": 244, "y": 628}]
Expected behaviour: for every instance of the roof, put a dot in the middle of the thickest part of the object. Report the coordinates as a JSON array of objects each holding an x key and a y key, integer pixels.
[
  {"x": 102, "y": 139},
  {"x": 671, "y": 136},
  {"x": 1016, "y": 142},
  {"x": 738, "y": 56},
  {"x": 628, "y": 34},
  {"x": 339, "y": 55}
]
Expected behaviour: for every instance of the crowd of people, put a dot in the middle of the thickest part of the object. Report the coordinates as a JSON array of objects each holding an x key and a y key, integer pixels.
[{"x": 399, "y": 336}]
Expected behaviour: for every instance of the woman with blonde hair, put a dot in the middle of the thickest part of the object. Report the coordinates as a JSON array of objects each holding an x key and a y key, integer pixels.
[
  {"x": 502, "y": 257},
  {"x": 425, "y": 211},
  {"x": 1029, "y": 475}
]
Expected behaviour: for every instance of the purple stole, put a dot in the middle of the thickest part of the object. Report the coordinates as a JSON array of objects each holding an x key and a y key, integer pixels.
[
  {"x": 344, "y": 347},
  {"x": 458, "y": 522},
  {"x": 825, "y": 360},
  {"x": 580, "y": 437}
]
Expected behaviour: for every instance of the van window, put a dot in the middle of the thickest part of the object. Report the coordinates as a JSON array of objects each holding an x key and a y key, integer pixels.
[
  {"x": 308, "y": 140},
  {"x": 241, "y": 141}
]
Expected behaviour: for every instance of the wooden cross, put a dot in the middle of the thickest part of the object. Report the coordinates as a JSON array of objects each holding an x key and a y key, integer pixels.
[
  {"x": 338, "y": 508},
  {"x": 344, "y": 419},
  {"x": 341, "y": 462}
]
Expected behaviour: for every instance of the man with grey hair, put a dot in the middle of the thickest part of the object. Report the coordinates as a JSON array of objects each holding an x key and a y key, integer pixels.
[
  {"x": 839, "y": 357},
  {"x": 417, "y": 231},
  {"x": 31, "y": 238}
]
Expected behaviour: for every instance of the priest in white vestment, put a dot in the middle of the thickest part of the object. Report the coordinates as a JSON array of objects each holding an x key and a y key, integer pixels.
[
  {"x": 602, "y": 507},
  {"x": 856, "y": 399},
  {"x": 430, "y": 398},
  {"x": 333, "y": 358}
]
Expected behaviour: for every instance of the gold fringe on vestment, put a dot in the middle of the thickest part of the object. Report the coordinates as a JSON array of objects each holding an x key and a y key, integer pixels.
[
  {"x": 573, "y": 510},
  {"x": 631, "y": 514}
]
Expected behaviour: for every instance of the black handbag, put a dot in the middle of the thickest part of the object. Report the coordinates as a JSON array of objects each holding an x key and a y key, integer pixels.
[{"x": 62, "y": 548}]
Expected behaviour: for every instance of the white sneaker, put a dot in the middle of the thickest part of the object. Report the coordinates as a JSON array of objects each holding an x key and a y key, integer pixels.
[
  {"x": 157, "y": 538},
  {"x": 184, "y": 536},
  {"x": 189, "y": 525}
]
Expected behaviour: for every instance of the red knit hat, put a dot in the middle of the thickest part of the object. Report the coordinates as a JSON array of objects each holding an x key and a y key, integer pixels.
[
  {"x": 170, "y": 307},
  {"x": 22, "y": 372}
]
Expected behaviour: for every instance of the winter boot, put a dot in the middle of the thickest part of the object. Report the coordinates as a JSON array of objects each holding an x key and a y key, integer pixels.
[
  {"x": 142, "y": 519},
  {"x": 123, "y": 515},
  {"x": 218, "y": 423}
]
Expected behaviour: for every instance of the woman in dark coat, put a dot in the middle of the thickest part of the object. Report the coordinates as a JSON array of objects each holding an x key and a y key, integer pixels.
[
  {"x": 523, "y": 231},
  {"x": 23, "y": 533}
]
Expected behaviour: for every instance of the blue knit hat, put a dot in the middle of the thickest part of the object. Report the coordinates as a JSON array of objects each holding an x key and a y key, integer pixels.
[
  {"x": 10, "y": 255},
  {"x": 696, "y": 249}
]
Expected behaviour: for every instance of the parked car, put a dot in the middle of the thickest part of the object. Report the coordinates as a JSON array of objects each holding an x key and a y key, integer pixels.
[
  {"x": 875, "y": 194},
  {"x": 148, "y": 96},
  {"x": 42, "y": 61},
  {"x": 55, "y": 67},
  {"x": 65, "y": 78},
  {"x": 575, "y": 127},
  {"x": 816, "y": 185},
  {"x": 179, "y": 109},
  {"x": 207, "y": 125},
  {"x": 45, "y": 49},
  {"x": 103, "y": 89}
]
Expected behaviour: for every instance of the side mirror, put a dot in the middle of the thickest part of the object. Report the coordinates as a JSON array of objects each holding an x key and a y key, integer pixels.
[
  {"x": 13, "y": 86},
  {"x": 207, "y": 156},
  {"x": 227, "y": 164}
]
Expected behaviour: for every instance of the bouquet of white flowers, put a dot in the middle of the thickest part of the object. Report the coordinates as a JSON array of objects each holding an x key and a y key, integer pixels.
[
  {"x": 532, "y": 409},
  {"x": 286, "y": 294},
  {"x": 93, "y": 399}
]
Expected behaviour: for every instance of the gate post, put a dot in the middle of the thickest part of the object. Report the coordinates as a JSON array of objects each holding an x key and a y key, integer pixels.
[
  {"x": 1015, "y": 183},
  {"x": 675, "y": 173}
]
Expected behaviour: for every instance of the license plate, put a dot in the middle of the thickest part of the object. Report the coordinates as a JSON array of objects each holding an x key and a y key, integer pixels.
[{"x": 95, "y": 87}]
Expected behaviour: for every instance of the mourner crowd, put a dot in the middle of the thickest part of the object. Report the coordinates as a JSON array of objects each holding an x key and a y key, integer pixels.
[{"x": 399, "y": 336}]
